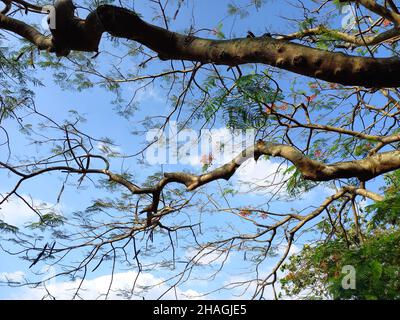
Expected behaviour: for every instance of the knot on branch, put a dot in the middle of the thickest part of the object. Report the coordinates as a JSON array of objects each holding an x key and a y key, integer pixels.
[
  {"x": 72, "y": 33},
  {"x": 119, "y": 22},
  {"x": 259, "y": 149},
  {"x": 7, "y": 7}
]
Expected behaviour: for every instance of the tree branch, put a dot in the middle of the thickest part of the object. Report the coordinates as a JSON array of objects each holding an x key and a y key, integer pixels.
[
  {"x": 26, "y": 31},
  {"x": 364, "y": 169},
  {"x": 73, "y": 33}
]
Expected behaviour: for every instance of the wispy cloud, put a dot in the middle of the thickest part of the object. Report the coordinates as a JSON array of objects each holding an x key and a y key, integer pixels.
[
  {"x": 208, "y": 256},
  {"x": 107, "y": 148},
  {"x": 15, "y": 212},
  {"x": 147, "y": 285},
  {"x": 9, "y": 277},
  {"x": 244, "y": 287},
  {"x": 260, "y": 177},
  {"x": 148, "y": 93}
]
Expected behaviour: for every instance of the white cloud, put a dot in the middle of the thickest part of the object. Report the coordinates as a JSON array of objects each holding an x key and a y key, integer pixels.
[
  {"x": 293, "y": 250},
  {"x": 256, "y": 177},
  {"x": 148, "y": 93},
  {"x": 221, "y": 144},
  {"x": 318, "y": 194},
  {"x": 364, "y": 203},
  {"x": 245, "y": 287},
  {"x": 8, "y": 277},
  {"x": 242, "y": 287},
  {"x": 267, "y": 177},
  {"x": 108, "y": 148},
  {"x": 263, "y": 176},
  {"x": 147, "y": 286},
  {"x": 208, "y": 256},
  {"x": 17, "y": 213}
]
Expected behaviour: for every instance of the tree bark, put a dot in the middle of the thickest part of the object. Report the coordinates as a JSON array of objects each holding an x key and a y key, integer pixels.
[{"x": 73, "y": 33}]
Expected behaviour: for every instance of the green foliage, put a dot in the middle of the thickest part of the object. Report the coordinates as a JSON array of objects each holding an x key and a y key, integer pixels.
[
  {"x": 376, "y": 259},
  {"x": 5, "y": 227},
  {"x": 244, "y": 10},
  {"x": 114, "y": 186},
  {"x": 296, "y": 185},
  {"x": 319, "y": 269},
  {"x": 338, "y": 3},
  {"x": 16, "y": 80},
  {"x": 245, "y": 106},
  {"x": 229, "y": 191},
  {"x": 307, "y": 23},
  {"x": 218, "y": 31},
  {"x": 236, "y": 10},
  {"x": 387, "y": 212},
  {"x": 50, "y": 219}
]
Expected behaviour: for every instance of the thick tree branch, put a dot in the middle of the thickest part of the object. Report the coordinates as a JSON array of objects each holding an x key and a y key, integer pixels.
[
  {"x": 356, "y": 40},
  {"x": 310, "y": 169},
  {"x": 73, "y": 33},
  {"x": 364, "y": 169},
  {"x": 330, "y": 66},
  {"x": 375, "y": 7},
  {"x": 25, "y": 31}
]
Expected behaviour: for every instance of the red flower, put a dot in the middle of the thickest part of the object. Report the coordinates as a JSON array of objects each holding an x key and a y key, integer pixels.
[
  {"x": 210, "y": 158},
  {"x": 283, "y": 107},
  {"x": 264, "y": 215},
  {"x": 206, "y": 160},
  {"x": 318, "y": 153},
  {"x": 386, "y": 22},
  {"x": 333, "y": 85},
  {"x": 269, "y": 109},
  {"x": 311, "y": 98},
  {"x": 245, "y": 212}
]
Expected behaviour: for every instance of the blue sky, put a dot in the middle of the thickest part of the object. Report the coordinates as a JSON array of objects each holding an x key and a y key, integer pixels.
[{"x": 102, "y": 121}]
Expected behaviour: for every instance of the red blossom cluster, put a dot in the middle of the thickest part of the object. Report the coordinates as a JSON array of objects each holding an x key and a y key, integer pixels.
[
  {"x": 311, "y": 98},
  {"x": 270, "y": 108},
  {"x": 206, "y": 159},
  {"x": 386, "y": 22},
  {"x": 317, "y": 153},
  {"x": 245, "y": 212}
]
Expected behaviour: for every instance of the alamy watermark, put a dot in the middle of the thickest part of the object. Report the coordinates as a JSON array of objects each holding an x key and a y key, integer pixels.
[
  {"x": 349, "y": 279},
  {"x": 349, "y": 21},
  {"x": 49, "y": 21},
  {"x": 187, "y": 146}
]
